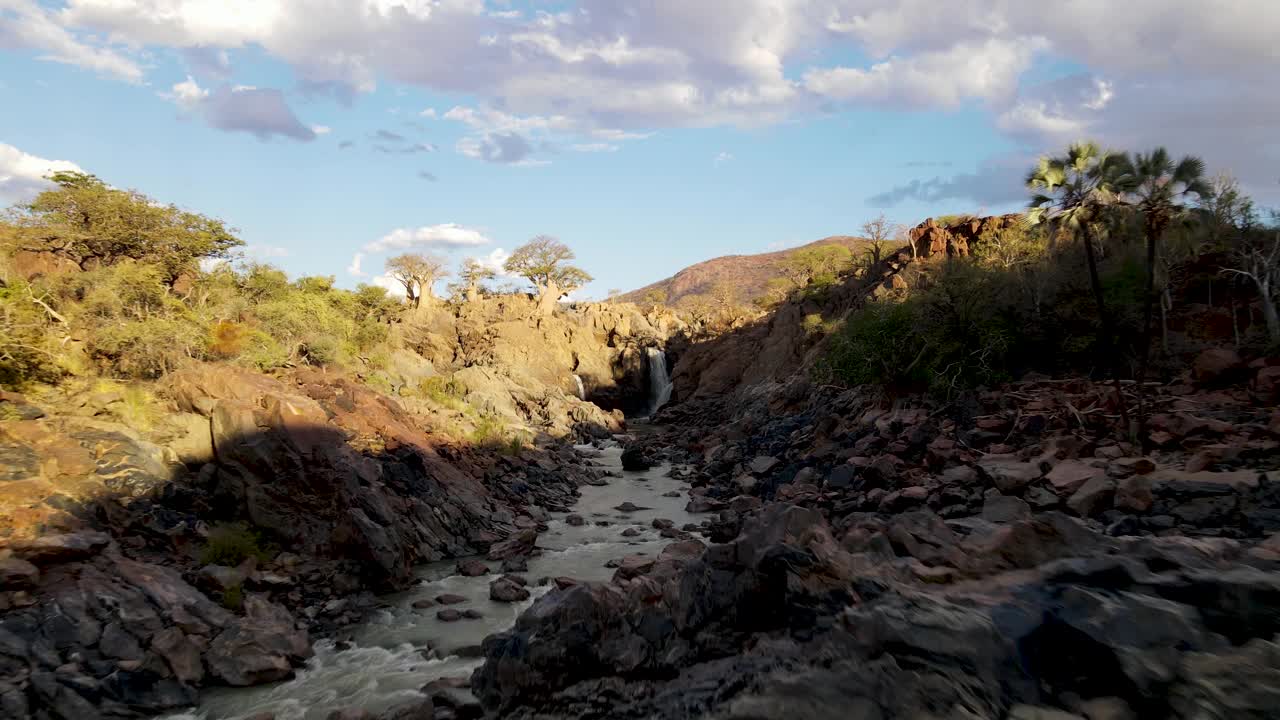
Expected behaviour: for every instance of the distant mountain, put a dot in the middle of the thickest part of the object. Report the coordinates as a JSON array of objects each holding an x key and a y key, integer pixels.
[{"x": 748, "y": 273}]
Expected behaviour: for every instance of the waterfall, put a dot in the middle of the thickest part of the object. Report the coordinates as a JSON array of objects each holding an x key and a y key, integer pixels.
[
  {"x": 659, "y": 379},
  {"x": 582, "y": 390}
]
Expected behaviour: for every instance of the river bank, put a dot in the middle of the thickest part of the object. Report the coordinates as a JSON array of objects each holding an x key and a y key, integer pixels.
[{"x": 388, "y": 659}]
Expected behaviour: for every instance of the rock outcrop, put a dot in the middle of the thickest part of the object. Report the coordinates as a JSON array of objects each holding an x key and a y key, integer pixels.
[{"x": 327, "y": 489}]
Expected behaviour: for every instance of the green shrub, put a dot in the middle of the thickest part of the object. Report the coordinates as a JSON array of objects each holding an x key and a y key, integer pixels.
[
  {"x": 233, "y": 597},
  {"x": 231, "y": 545},
  {"x": 489, "y": 431},
  {"x": 26, "y": 353},
  {"x": 145, "y": 348}
]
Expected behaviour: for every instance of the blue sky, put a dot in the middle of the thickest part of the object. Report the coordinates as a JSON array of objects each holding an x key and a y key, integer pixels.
[{"x": 647, "y": 136}]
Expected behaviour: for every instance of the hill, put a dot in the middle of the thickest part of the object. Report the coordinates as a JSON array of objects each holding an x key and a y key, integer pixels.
[{"x": 748, "y": 273}]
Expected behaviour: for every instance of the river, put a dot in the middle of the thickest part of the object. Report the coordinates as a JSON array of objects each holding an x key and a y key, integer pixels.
[{"x": 388, "y": 659}]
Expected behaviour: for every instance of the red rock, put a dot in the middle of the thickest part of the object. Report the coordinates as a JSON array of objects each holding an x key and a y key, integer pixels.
[
  {"x": 1134, "y": 494},
  {"x": 1070, "y": 475},
  {"x": 1215, "y": 364}
]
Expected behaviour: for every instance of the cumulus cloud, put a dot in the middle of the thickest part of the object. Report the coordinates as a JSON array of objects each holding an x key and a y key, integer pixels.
[
  {"x": 261, "y": 112},
  {"x": 602, "y": 65},
  {"x": 967, "y": 71},
  {"x": 27, "y": 24},
  {"x": 321, "y": 129},
  {"x": 722, "y": 158},
  {"x": 446, "y": 236},
  {"x": 496, "y": 261},
  {"x": 23, "y": 175}
]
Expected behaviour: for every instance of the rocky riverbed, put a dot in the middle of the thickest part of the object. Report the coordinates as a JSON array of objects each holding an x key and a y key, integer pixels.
[{"x": 426, "y": 640}]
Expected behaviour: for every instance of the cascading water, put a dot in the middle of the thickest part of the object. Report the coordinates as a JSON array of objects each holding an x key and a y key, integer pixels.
[
  {"x": 659, "y": 379},
  {"x": 582, "y": 390}
]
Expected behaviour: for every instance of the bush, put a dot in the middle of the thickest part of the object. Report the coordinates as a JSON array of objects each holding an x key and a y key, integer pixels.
[
  {"x": 146, "y": 349},
  {"x": 489, "y": 431},
  {"x": 231, "y": 545},
  {"x": 25, "y": 351}
]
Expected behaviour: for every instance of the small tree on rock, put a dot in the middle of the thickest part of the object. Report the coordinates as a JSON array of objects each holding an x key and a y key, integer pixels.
[
  {"x": 879, "y": 232},
  {"x": 544, "y": 262},
  {"x": 418, "y": 274},
  {"x": 472, "y": 276}
]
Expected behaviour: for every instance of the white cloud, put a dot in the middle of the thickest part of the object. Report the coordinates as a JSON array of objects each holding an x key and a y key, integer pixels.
[
  {"x": 354, "y": 267},
  {"x": 428, "y": 113},
  {"x": 188, "y": 93},
  {"x": 985, "y": 71},
  {"x": 595, "y": 147},
  {"x": 446, "y": 236},
  {"x": 321, "y": 129},
  {"x": 394, "y": 287},
  {"x": 496, "y": 261},
  {"x": 26, "y": 24},
  {"x": 722, "y": 158},
  {"x": 603, "y": 65},
  {"x": 22, "y": 175}
]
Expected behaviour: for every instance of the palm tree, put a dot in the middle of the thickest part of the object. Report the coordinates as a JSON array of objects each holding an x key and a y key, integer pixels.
[
  {"x": 1075, "y": 191},
  {"x": 1158, "y": 189}
]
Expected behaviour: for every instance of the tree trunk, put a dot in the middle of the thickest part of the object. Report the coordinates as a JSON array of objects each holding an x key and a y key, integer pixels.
[
  {"x": 472, "y": 294},
  {"x": 1269, "y": 310},
  {"x": 1154, "y": 230},
  {"x": 548, "y": 298},
  {"x": 1105, "y": 329}
]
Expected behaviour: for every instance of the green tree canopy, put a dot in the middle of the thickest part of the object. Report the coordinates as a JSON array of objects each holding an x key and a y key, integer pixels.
[
  {"x": 803, "y": 265},
  {"x": 544, "y": 262},
  {"x": 95, "y": 225}
]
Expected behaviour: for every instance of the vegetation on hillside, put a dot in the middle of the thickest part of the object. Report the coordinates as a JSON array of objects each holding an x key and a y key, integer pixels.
[{"x": 1076, "y": 287}]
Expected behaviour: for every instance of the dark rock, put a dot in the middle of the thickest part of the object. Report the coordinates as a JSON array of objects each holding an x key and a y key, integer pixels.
[
  {"x": 507, "y": 590},
  {"x": 575, "y": 520},
  {"x": 55, "y": 549},
  {"x": 16, "y": 574},
  {"x": 423, "y": 603},
  {"x": 472, "y": 568},
  {"x": 634, "y": 459},
  {"x": 450, "y": 599},
  {"x": 519, "y": 545},
  {"x": 1005, "y": 508},
  {"x": 515, "y": 565},
  {"x": 1093, "y": 497},
  {"x": 629, "y": 507},
  {"x": 448, "y": 615}
]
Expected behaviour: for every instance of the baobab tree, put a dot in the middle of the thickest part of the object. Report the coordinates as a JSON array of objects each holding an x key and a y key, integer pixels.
[
  {"x": 418, "y": 274},
  {"x": 544, "y": 262}
]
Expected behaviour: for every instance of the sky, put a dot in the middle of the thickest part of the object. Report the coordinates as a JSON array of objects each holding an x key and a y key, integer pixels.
[{"x": 646, "y": 134}]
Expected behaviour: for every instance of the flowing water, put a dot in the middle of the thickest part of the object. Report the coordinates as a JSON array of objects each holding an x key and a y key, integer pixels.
[
  {"x": 398, "y": 650},
  {"x": 659, "y": 379}
]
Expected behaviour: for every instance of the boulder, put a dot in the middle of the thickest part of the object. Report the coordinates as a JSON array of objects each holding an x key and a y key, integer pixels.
[
  {"x": 1093, "y": 497},
  {"x": 17, "y": 574},
  {"x": 1005, "y": 508},
  {"x": 507, "y": 590},
  {"x": 1133, "y": 494},
  {"x": 634, "y": 459},
  {"x": 1009, "y": 475},
  {"x": 575, "y": 521},
  {"x": 61, "y": 548},
  {"x": 260, "y": 648},
  {"x": 450, "y": 599},
  {"x": 763, "y": 464},
  {"x": 472, "y": 568},
  {"x": 520, "y": 544},
  {"x": 1216, "y": 365},
  {"x": 1069, "y": 476}
]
